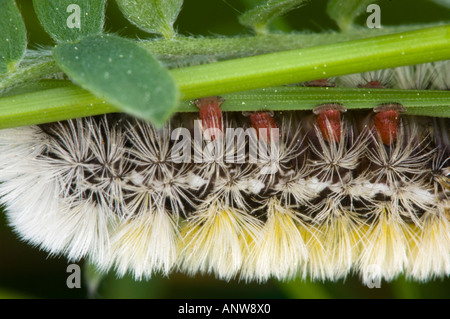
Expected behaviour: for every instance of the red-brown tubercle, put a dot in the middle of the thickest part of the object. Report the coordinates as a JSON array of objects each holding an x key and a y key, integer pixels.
[
  {"x": 329, "y": 121},
  {"x": 373, "y": 85},
  {"x": 319, "y": 83},
  {"x": 211, "y": 115},
  {"x": 386, "y": 121},
  {"x": 264, "y": 121}
]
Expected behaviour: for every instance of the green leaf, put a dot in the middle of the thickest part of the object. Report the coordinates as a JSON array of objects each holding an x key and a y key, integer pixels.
[
  {"x": 259, "y": 17},
  {"x": 70, "y": 20},
  {"x": 345, "y": 12},
  {"x": 121, "y": 72},
  {"x": 13, "y": 40},
  {"x": 154, "y": 16}
]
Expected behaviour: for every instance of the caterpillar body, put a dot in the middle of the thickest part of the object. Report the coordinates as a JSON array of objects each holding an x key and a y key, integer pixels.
[{"x": 328, "y": 193}]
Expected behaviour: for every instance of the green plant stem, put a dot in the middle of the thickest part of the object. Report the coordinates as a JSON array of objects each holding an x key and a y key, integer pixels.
[
  {"x": 243, "y": 46},
  {"x": 69, "y": 101},
  {"x": 181, "y": 51},
  {"x": 186, "y": 51},
  {"x": 312, "y": 63},
  {"x": 417, "y": 102},
  {"x": 261, "y": 71},
  {"x": 31, "y": 72},
  {"x": 49, "y": 106},
  {"x": 34, "y": 86}
]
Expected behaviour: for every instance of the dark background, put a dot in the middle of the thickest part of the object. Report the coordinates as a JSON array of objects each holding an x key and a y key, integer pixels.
[{"x": 27, "y": 272}]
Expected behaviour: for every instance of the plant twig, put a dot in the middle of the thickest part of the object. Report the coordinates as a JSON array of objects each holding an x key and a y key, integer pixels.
[{"x": 262, "y": 71}]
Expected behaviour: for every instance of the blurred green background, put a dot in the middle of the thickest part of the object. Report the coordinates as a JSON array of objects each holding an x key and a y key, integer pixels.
[{"x": 26, "y": 272}]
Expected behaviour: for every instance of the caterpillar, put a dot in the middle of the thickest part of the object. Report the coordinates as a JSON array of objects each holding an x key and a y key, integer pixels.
[{"x": 314, "y": 194}]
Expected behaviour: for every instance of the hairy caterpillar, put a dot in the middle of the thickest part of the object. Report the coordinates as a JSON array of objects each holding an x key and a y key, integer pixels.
[{"x": 312, "y": 194}]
